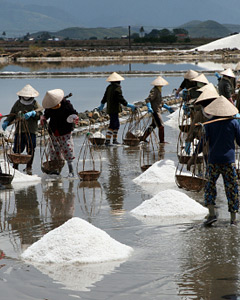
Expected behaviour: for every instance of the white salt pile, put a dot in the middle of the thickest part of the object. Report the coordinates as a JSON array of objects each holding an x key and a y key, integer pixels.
[
  {"x": 98, "y": 134},
  {"x": 231, "y": 42},
  {"x": 18, "y": 176},
  {"x": 174, "y": 118},
  {"x": 171, "y": 204},
  {"x": 76, "y": 241},
  {"x": 162, "y": 171}
]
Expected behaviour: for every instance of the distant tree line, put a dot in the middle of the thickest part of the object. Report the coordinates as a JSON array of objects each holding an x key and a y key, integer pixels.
[{"x": 161, "y": 36}]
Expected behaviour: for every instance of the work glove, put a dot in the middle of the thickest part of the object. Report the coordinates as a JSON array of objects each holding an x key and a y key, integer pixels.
[
  {"x": 168, "y": 108},
  {"x": 187, "y": 147},
  {"x": 217, "y": 75},
  {"x": 100, "y": 108},
  {"x": 133, "y": 107},
  {"x": 5, "y": 125},
  {"x": 73, "y": 119},
  {"x": 237, "y": 116},
  {"x": 30, "y": 114},
  {"x": 184, "y": 94},
  {"x": 43, "y": 120},
  {"x": 150, "y": 110}
]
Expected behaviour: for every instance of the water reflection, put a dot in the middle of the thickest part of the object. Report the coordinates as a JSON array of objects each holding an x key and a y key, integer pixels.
[
  {"x": 203, "y": 273},
  {"x": 114, "y": 186},
  {"x": 60, "y": 203},
  {"x": 111, "y": 66},
  {"x": 26, "y": 220},
  {"x": 90, "y": 198}
]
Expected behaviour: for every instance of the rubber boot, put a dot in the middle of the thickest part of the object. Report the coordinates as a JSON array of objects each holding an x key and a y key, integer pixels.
[
  {"x": 15, "y": 166},
  {"x": 146, "y": 134},
  {"x": 29, "y": 165},
  {"x": 70, "y": 169},
  {"x": 233, "y": 218},
  {"x": 212, "y": 215},
  {"x": 161, "y": 135}
]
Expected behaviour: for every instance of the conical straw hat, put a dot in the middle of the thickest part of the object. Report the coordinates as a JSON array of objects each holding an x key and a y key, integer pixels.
[
  {"x": 207, "y": 94},
  {"x": 190, "y": 74},
  {"x": 207, "y": 86},
  {"x": 221, "y": 107},
  {"x": 28, "y": 91},
  {"x": 159, "y": 81},
  {"x": 228, "y": 72},
  {"x": 115, "y": 77},
  {"x": 201, "y": 78},
  {"x": 237, "y": 68},
  {"x": 52, "y": 98}
]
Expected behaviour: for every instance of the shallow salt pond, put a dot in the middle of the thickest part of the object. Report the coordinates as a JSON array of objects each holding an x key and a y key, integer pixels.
[{"x": 170, "y": 260}]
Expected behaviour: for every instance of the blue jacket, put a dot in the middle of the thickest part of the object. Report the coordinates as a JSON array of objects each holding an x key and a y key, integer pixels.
[{"x": 221, "y": 136}]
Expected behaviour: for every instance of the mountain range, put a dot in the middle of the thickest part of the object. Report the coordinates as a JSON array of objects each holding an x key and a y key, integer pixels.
[{"x": 19, "y": 17}]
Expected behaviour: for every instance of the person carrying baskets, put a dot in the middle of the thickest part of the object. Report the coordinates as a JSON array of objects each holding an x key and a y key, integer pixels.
[
  {"x": 30, "y": 110},
  {"x": 62, "y": 117}
]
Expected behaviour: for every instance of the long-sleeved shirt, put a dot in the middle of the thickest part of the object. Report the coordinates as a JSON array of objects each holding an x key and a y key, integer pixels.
[
  {"x": 58, "y": 118},
  {"x": 221, "y": 136},
  {"x": 114, "y": 98},
  {"x": 32, "y": 123}
]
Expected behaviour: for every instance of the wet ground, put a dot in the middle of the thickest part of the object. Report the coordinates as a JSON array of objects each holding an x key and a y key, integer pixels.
[{"x": 176, "y": 261}]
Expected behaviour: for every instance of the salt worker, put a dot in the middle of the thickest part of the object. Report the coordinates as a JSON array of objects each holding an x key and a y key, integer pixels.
[
  {"x": 31, "y": 110},
  {"x": 154, "y": 104},
  {"x": 227, "y": 84},
  {"x": 62, "y": 117},
  {"x": 114, "y": 98},
  {"x": 187, "y": 82},
  {"x": 207, "y": 95},
  {"x": 221, "y": 136}
]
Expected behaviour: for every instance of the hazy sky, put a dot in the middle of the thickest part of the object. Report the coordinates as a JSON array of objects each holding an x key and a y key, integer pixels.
[{"x": 93, "y": 13}]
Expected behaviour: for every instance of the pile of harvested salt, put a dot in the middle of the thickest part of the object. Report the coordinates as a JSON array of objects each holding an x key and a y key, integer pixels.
[
  {"x": 230, "y": 42},
  {"x": 171, "y": 204},
  {"x": 98, "y": 134},
  {"x": 18, "y": 176},
  {"x": 76, "y": 241},
  {"x": 162, "y": 171}
]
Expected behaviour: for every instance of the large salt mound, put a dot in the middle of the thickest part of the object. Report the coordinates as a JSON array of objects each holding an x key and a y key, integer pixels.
[
  {"x": 171, "y": 204},
  {"x": 76, "y": 241},
  {"x": 19, "y": 178},
  {"x": 162, "y": 171},
  {"x": 231, "y": 42}
]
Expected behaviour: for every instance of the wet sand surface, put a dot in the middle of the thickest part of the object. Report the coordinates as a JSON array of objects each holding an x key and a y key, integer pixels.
[{"x": 170, "y": 261}]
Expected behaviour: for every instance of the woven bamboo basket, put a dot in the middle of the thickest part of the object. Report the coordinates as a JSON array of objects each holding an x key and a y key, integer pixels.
[
  {"x": 145, "y": 167},
  {"x": 131, "y": 142},
  {"x": 183, "y": 159},
  {"x": 52, "y": 166},
  {"x": 97, "y": 141},
  {"x": 89, "y": 175},
  {"x": 5, "y": 179},
  {"x": 190, "y": 183},
  {"x": 16, "y": 158}
]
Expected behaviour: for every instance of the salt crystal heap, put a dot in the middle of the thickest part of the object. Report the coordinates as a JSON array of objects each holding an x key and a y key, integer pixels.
[
  {"x": 76, "y": 241},
  {"x": 171, "y": 204},
  {"x": 162, "y": 171}
]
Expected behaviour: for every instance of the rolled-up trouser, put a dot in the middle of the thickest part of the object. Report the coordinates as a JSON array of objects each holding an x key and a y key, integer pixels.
[
  {"x": 229, "y": 175},
  {"x": 62, "y": 147}
]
